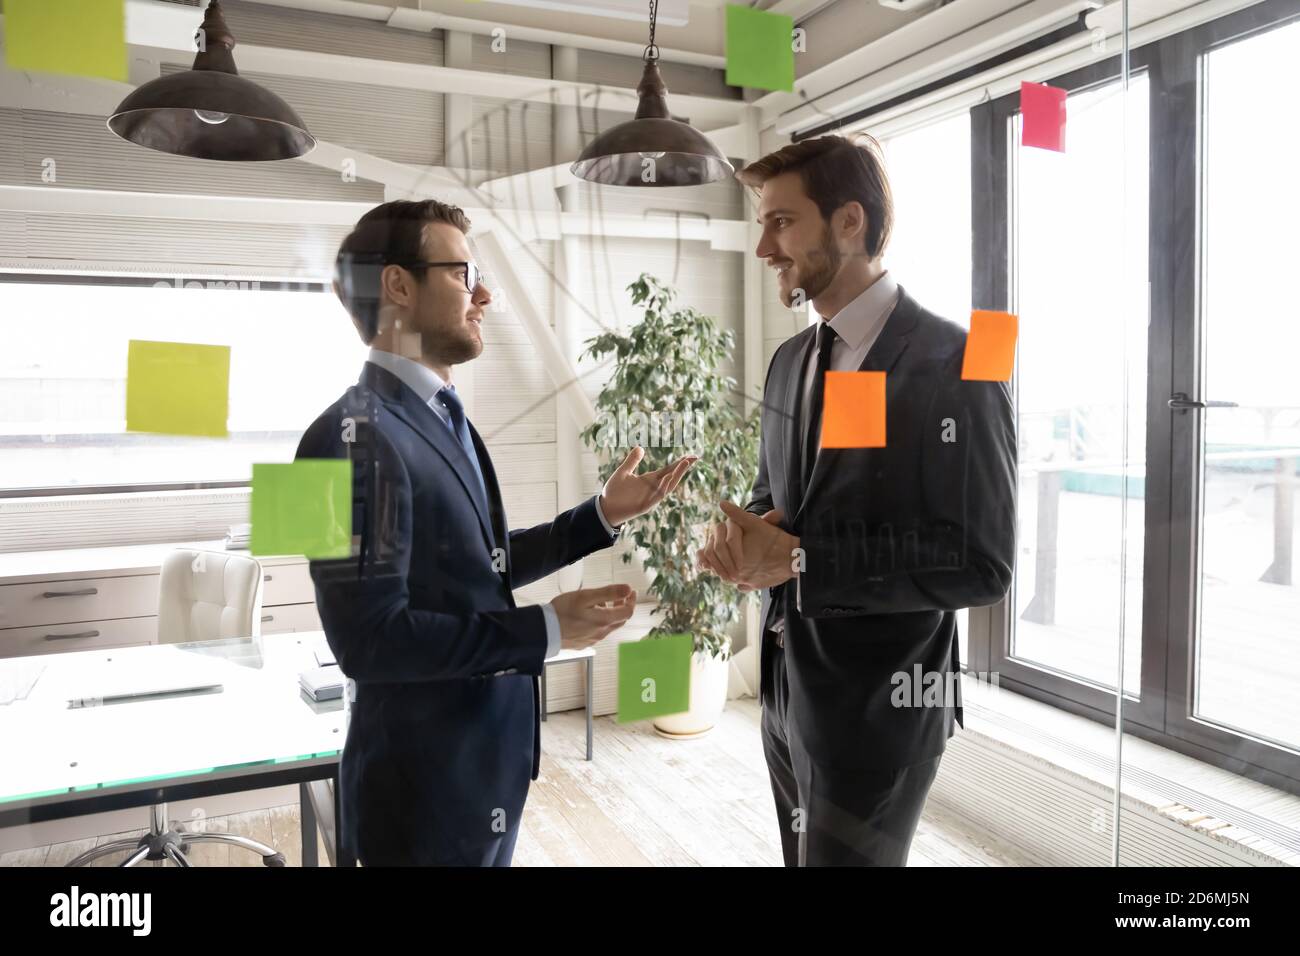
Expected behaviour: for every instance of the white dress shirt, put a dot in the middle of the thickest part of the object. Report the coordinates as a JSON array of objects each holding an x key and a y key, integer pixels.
[
  {"x": 427, "y": 383},
  {"x": 857, "y": 326}
]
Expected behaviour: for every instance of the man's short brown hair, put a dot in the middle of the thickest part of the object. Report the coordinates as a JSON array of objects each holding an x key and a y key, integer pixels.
[
  {"x": 389, "y": 234},
  {"x": 835, "y": 170}
]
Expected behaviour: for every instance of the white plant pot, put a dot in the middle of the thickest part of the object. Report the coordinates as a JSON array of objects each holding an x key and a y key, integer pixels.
[{"x": 708, "y": 698}]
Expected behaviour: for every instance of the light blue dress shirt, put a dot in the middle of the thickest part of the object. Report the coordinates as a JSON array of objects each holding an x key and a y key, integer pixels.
[{"x": 427, "y": 383}]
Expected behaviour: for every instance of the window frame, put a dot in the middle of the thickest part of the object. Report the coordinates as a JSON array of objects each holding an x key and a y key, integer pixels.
[
  {"x": 1175, "y": 68},
  {"x": 139, "y": 281}
]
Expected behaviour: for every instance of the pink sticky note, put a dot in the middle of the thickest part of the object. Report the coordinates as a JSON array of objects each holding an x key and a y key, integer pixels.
[{"x": 1042, "y": 111}]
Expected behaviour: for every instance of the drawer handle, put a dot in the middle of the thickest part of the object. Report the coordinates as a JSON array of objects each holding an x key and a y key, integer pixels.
[
  {"x": 266, "y": 577},
  {"x": 84, "y": 592},
  {"x": 267, "y": 617},
  {"x": 71, "y": 637}
]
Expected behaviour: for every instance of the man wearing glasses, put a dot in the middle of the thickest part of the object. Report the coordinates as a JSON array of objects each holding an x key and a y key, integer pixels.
[{"x": 444, "y": 732}]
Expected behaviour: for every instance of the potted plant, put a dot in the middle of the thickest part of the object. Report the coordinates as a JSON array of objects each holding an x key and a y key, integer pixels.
[{"x": 665, "y": 394}]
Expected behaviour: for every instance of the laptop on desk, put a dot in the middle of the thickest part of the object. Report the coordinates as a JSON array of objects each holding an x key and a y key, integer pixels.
[{"x": 144, "y": 677}]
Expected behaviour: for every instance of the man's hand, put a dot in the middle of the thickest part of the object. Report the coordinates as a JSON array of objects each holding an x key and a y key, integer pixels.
[
  {"x": 749, "y": 551},
  {"x": 627, "y": 495},
  {"x": 584, "y": 617}
]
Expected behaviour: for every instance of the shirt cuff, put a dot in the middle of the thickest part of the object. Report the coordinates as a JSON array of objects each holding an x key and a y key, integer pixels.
[
  {"x": 603, "y": 520},
  {"x": 552, "y": 631}
]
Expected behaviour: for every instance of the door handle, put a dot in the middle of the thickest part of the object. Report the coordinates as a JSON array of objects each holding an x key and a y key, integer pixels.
[{"x": 1181, "y": 402}]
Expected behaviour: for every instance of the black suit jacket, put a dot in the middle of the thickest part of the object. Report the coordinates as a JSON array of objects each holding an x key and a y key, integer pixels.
[
  {"x": 895, "y": 540},
  {"x": 444, "y": 732}
]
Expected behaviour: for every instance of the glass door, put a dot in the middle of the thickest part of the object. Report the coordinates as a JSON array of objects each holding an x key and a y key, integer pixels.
[{"x": 1235, "y": 410}]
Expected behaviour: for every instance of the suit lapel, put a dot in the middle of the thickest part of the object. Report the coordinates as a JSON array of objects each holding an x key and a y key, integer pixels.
[
  {"x": 884, "y": 352},
  {"x": 424, "y": 421}
]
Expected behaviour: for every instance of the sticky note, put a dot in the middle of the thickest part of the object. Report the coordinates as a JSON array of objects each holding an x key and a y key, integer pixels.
[
  {"x": 303, "y": 507},
  {"x": 77, "y": 37},
  {"x": 1042, "y": 116},
  {"x": 654, "y": 677},
  {"x": 853, "y": 410},
  {"x": 176, "y": 388},
  {"x": 990, "y": 347},
  {"x": 760, "y": 49}
]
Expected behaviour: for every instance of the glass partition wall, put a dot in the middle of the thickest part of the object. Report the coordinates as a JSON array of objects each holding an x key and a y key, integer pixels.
[{"x": 1159, "y": 433}]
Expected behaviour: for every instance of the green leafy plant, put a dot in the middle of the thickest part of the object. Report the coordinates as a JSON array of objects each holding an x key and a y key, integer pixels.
[{"x": 666, "y": 373}]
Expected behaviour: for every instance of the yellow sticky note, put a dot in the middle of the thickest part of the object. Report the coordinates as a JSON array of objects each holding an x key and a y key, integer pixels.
[
  {"x": 174, "y": 388},
  {"x": 77, "y": 37},
  {"x": 990, "y": 347},
  {"x": 853, "y": 410}
]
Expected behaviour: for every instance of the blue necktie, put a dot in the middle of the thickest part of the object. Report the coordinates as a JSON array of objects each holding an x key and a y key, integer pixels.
[{"x": 460, "y": 429}]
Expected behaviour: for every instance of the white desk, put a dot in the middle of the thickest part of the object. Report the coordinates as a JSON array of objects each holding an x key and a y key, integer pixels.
[{"x": 259, "y": 731}]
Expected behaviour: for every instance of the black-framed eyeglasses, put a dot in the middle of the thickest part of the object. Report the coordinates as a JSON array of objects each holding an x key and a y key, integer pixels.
[{"x": 473, "y": 275}]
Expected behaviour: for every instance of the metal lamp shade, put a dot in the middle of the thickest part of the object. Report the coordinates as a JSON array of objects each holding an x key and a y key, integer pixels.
[
  {"x": 683, "y": 156},
  {"x": 210, "y": 111},
  {"x": 259, "y": 126}
]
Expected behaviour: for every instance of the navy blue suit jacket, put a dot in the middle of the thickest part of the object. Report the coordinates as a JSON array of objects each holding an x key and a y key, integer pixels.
[{"x": 444, "y": 733}]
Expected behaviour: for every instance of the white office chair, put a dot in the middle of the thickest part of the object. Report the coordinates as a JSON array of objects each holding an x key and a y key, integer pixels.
[{"x": 203, "y": 596}]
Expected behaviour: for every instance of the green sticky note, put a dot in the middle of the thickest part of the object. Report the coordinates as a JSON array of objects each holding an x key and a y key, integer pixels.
[
  {"x": 303, "y": 507},
  {"x": 177, "y": 388},
  {"x": 654, "y": 677},
  {"x": 79, "y": 37},
  {"x": 760, "y": 49}
]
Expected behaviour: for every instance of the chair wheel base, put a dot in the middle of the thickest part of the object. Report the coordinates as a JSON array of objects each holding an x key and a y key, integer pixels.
[{"x": 276, "y": 859}]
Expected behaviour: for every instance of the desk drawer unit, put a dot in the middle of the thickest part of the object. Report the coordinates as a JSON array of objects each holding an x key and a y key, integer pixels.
[
  {"x": 84, "y": 599},
  {"x": 88, "y": 636},
  {"x": 287, "y": 584},
  {"x": 282, "y": 618}
]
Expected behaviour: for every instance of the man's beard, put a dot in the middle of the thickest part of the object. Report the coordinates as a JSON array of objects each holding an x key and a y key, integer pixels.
[
  {"x": 822, "y": 266},
  {"x": 456, "y": 351},
  {"x": 463, "y": 350}
]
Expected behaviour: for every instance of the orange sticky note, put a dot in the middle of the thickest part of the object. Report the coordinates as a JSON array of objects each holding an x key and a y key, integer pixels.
[
  {"x": 853, "y": 410},
  {"x": 990, "y": 347}
]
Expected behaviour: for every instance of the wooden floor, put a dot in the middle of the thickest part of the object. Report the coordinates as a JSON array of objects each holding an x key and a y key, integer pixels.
[{"x": 643, "y": 801}]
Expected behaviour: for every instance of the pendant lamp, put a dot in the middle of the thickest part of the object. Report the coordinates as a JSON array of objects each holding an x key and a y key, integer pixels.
[
  {"x": 681, "y": 154},
  {"x": 210, "y": 111}
]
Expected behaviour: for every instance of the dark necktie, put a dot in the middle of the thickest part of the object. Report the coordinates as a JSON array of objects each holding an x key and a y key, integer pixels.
[
  {"x": 447, "y": 395},
  {"x": 812, "y": 437}
]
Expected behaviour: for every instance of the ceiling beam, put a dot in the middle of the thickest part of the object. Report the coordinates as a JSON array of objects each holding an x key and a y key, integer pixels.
[
  {"x": 698, "y": 42},
  {"x": 142, "y": 205},
  {"x": 923, "y": 49}
]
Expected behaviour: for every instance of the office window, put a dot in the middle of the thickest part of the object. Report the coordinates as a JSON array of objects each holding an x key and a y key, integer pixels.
[
  {"x": 63, "y": 348},
  {"x": 929, "y": 253},
  {"x": 1247, "y": 664},
  {"x": 1080, "y": 271}
]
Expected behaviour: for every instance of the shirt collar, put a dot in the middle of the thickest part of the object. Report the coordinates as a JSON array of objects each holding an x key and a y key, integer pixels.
[
  {"x": 865, "y": 315},
  {"x": 420, "y": 379}
]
